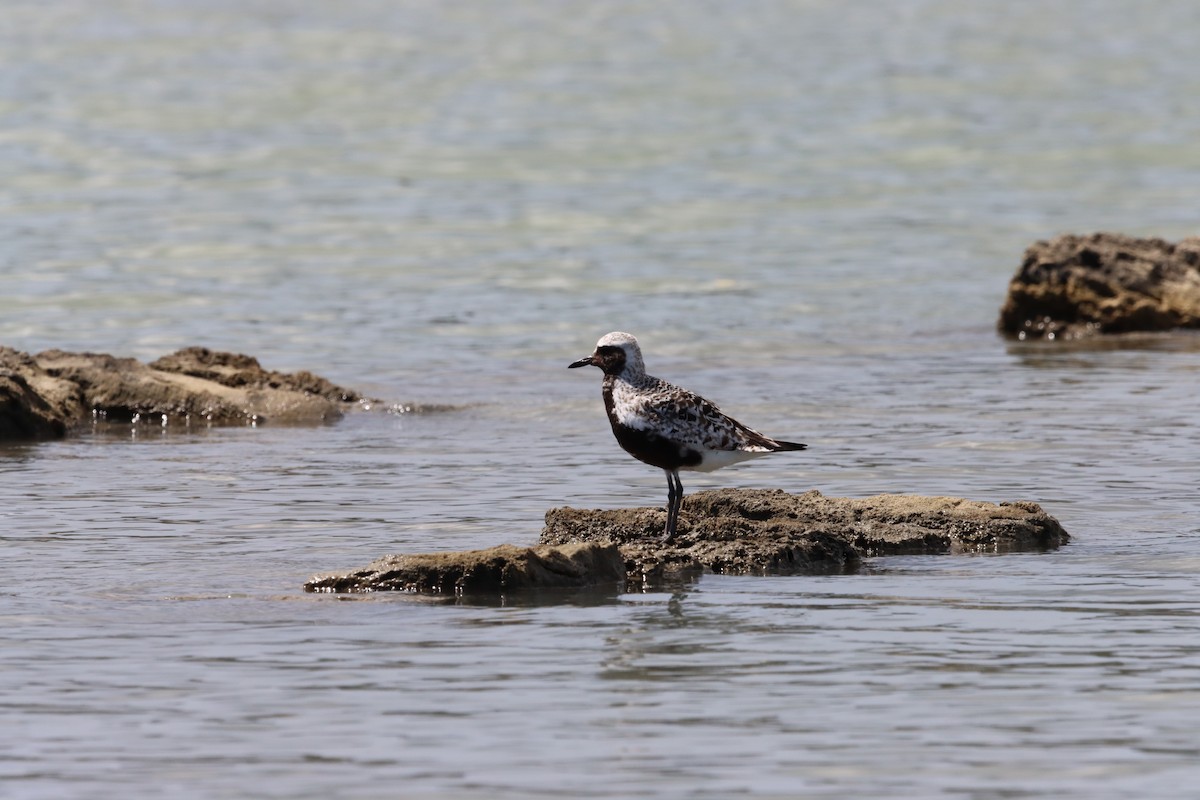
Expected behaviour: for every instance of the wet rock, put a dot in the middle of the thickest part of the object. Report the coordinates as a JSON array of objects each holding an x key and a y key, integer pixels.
[
  {"x": 771, "y": 531},
  {"x": 48, "y": 394},
  {"x": 733, "y": 531},
  {"x": 1075, "y": 286},
  {"x": 244, "y": 372},
  {"x": 498, "y": 569},
  {"x": 34, "y": 404}
]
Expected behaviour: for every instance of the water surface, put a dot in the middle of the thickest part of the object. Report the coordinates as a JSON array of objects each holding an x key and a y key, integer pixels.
[{"x": 807, "y": 211}]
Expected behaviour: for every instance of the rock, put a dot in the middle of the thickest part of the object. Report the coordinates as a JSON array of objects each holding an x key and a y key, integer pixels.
[
  {"x": 735, "y": 531},
  {"x": 1075, "y": 286},
  {"x": 48, "y": 394},
  {"x": 771, "y": 531},
  {"x": 33, "y": 404},
  {"x": 243, "y": 372},
  {"x": 498, "y": 569}
]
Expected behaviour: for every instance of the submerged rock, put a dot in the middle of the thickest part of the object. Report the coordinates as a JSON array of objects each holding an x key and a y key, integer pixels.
[
  {"x": 738, "y": 531},
  {"x": 48, "y": 394},
  {"x": 1075, "y": 286},
  {"x": 497, "y": 569}
]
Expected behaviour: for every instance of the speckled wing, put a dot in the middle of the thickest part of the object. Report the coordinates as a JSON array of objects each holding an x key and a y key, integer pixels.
[{"x": 689, "y": 420}]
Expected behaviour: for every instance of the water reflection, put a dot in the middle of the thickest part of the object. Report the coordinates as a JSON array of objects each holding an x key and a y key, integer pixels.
[
  {"x": 585, "y": 597},
  {"x": 1081, "y": 353}
]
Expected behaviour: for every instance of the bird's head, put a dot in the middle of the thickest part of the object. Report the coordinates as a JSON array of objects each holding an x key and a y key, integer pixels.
[{"x": 615, "y": 353}]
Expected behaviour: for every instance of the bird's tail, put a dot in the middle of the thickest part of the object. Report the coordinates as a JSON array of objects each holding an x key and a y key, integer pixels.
[{"x": 765, "y": 444}]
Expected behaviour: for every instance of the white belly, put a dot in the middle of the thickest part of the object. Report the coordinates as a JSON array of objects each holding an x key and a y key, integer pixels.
[{"x": 715, "y": 459}]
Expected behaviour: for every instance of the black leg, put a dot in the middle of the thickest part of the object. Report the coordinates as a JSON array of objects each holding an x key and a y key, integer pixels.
[
  {"x": 670, "y": 527},
  {"x": 674, "y": 501},
  {"x": 678, "y": 502}
]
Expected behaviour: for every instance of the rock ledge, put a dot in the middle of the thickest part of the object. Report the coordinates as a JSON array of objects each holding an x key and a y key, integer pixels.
[
  {"x": 733, "y": 531},
  {"x": 758, "y": 531},
  {"x": 497, "y": 569},
  {"x": 46, "y": 395}
]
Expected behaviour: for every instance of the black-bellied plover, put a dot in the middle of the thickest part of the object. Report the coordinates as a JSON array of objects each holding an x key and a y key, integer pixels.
[{"x": 666, "y": 426}]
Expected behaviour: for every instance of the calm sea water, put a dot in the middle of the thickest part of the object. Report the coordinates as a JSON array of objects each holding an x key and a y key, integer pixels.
[{"x": 807, "y": 211}]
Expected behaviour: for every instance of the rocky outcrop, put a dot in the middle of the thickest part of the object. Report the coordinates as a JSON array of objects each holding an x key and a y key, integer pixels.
[
  {"x": 771, "y": 531},
  {"x": 738, "y": 531},
  {"x": 496, "y": 570},
  {"x": 243, "y": 372},
  {"x": 48, "y": 394},
  {"x": 33, "y": 403},
  {"x": 1076, "y": 286}
]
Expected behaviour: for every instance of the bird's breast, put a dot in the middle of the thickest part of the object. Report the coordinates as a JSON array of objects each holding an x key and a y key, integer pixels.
[{"x": 624, "y": 405}]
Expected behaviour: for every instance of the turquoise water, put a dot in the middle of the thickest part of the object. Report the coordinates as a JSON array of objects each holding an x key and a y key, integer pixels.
[{"x": 806, "y": 211}]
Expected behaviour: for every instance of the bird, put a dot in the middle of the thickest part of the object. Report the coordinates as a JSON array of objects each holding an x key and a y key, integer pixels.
[{"x": 666, "y": 426}]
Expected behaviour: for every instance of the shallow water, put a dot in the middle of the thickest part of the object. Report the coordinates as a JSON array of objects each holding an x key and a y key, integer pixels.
[{"x": 807, "y": 211}]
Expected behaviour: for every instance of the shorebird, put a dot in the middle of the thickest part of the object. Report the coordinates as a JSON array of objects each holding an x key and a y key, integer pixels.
[{"x": 666, "y": 426}]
